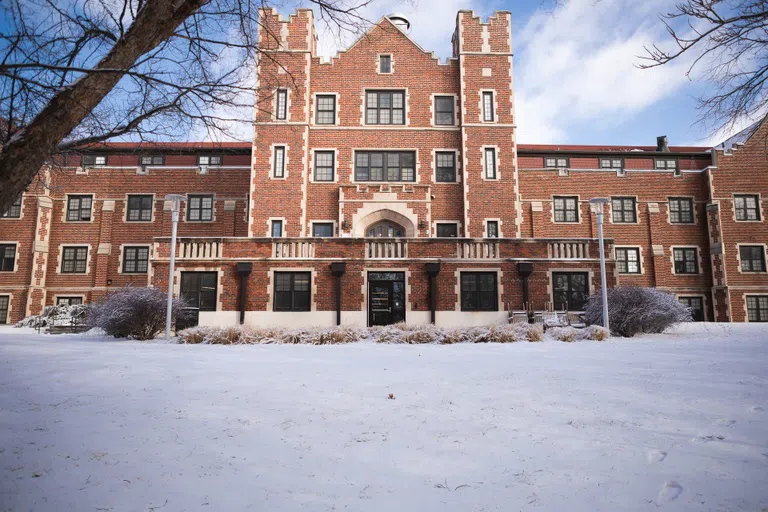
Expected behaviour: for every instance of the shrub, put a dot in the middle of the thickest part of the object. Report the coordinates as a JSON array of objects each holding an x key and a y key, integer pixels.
[
  {"x": 137, "y": 313},
  {"x": 633, "y": 310},
  {"x": 456, "y": 335},
  {"x": 423, "y": 334},
  {"x": 504, "y": 333},
  {"x": 530, "y": 332},
  {"x": 196, "y": 335},
  {"x": 595, "y": 333},
  {"x": 567, "y": 334},
  {"x": 57, "y": 315}
]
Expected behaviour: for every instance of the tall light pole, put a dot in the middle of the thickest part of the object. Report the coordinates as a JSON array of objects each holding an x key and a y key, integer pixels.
[
  {"x": 597, "y": 204},
  {"x": 175, "y": 200}
]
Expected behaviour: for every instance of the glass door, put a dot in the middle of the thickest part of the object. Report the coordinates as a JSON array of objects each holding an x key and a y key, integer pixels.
[
  {"x": 386, "y": 298},
  {"x": 198, "y": 291}
]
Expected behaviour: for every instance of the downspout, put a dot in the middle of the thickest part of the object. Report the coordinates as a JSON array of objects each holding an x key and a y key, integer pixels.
[
  {"x": 338, "y": 269},
  {"x": 432, "y": 270},
  {"x": 243, "y": 270},
  {"x": 525, "y": 269}
]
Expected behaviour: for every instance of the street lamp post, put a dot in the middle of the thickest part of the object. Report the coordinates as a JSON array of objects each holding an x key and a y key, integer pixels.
[
  {"x": 175, "y": 200},
  {"x": 597, "y": 204}
]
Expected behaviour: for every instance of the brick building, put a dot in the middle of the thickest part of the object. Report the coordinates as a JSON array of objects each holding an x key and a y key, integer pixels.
[{"x": 385, "y": 185}]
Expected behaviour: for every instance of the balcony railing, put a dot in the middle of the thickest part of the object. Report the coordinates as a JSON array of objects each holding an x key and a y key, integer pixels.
[
  {"x": 478, "y": 250},
  {"x": 199, "y": 250},
  {"x": 569, "y": 250},
  {"x": 386, "y": 249},
  {"x": 293, "y": 250}
]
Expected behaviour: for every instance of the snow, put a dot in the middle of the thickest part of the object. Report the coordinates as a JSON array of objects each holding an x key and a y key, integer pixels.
[{"x": 675, "y": 421}]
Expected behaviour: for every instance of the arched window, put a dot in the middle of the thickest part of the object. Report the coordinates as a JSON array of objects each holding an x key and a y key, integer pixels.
[{"x": 385, "y": 229}]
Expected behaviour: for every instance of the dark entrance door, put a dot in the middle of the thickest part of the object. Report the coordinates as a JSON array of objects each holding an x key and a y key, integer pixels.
[
  {"x": 570, "y": 290},
  {"x": 198, "y": 290},
  {"x": 386, "y": 298}
]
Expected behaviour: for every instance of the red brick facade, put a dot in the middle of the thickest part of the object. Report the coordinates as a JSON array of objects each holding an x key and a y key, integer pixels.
[{"x": 497, "y": 184}]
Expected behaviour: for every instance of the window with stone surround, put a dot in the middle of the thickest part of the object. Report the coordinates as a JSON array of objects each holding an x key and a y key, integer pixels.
[
  {"x": 566, "y": 208},
  {"x": 696, "y": 305},
  {"x": 628, "y": 260},
  {"x": 385, "y": 107},
  {"x": 747, "y": 207},
  {"x": 570, "y": 290},
  {"x": 5, "y": 300},
  {"x": 277, "y": 228},
  {"x": 490, "y": 163},
  {"x": 385, "y": 166},
  {"x": 445, "y": 171},
  {"x": 69, "y": 301},
  {"x": 447, "y": 230},
  {"x": 322, "y": 229},
  {"x": 686, "y": 260},
  {"x": 479, "y": 291},
  {"x": 623, "y": 210},
  {"x": 278, "y": 170},
  {"x": 200, "y": 207},
  {"x": 444, "y": 111},
  {"x": 281, "y": 110},
  {"x": 14, "y": 210},
  {"x": 492, "y": 228},
  {"x": 292, "y": 291},
  {"x": 74, "y": 260},
  {"x": 324, "y": 166},
  {"x": 752, "y": 258},
  {"x": 757, "y": 308},
  {"x": 385, "y": 64},
  {"x": 139, "y": 208},
  {"x": 488, "y": 112},
  {"x": 326, "y": 109},
  {"x": 79, "y": 208},
  {"x": 135, "y": 260},
  {"x": 681, "y": 210},
  {"x": 7, "y": 257}
]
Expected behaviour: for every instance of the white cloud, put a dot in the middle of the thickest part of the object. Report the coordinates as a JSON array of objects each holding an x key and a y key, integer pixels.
[{"x": 576, "y": 64}]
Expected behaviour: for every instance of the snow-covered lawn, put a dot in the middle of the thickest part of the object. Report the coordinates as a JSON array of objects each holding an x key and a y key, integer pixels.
[{"x": 677, "y": 421}]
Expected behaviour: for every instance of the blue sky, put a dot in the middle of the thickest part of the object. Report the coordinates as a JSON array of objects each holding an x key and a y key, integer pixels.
[{"x": 576, "y": 79}]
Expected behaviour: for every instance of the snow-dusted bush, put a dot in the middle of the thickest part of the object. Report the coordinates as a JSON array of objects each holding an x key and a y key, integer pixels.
[
  {"x": 633, "y": 310},
  {"x": 57, "y": 315},
  {"x": 595, "y": 333},
  {"x": 505, "y": 333},
  {"x": 530, "y": 332},
  {"x": 133, "y": 312},
  {"x": 567, "y": 334},
  {"x": 245, "y": 335},
  {"x": 196, "y": 335}
]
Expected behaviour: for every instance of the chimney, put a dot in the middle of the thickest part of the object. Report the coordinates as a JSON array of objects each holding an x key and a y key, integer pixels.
[
  {"x": 661, "y": 144},
  {"x": 400, "y": 21}
]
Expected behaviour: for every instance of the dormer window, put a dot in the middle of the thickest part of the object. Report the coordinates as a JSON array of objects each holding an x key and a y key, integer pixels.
[
  {"x": 666, "y": 163},
  {"x": 612, "y": 163},
  {"x": 556, "y": 162},
  {"x": 94, "y": 160},
  {"x": 209, "y": 160},
  {"x": 147, "y": 160},
  {"x": 385, "y": 64}
]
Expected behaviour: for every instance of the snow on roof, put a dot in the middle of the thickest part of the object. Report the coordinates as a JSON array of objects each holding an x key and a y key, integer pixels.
[{"x": 739, "y": 138}]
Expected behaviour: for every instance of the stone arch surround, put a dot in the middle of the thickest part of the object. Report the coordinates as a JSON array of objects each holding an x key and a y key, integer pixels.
[{"x": 371, "y": 213}]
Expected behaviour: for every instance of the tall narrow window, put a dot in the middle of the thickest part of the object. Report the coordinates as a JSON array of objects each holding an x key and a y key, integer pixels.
[
  {"x": 74, "y": 260},
  {"x": 200, "y": 208},
  {"x": 282, "y": 104},
  {"x": 492, "y": 227},
  {"x": 686, "y": 261},
  {"x": 4, "y": 302},
  {"x": 623, "y": 209},
  {"x": 135, "y": 260},
  {"x": 139, "y": 208},
  {"x": 385, "y": 63},
  {"x": 681, "y": 210},
  {"x": 277, "y": 228},
  {"x": 79, "y": 208},
  {"x": 479, "y": 291},
  {"x": 385, "y": 107},
  {"x": 279, "y": 161},
  {"x": 747, "y": 207},
  {"x": 752, "y": 258},
  {"x": 757, "y": 308},
  {"x": 324, "y": 165},
  {"x": 445, "y": 171},
  {"x": 490, "y": 163},
  {"x": 444, "y": 114},
  {"x": 7, "y": 257},
  {"x": 13, "y": 211},
  {"x": 628, "y": 260},
  {"x": 566, "y": 208},
  {"x": 292, "y": 291},
  {"x": 326, "y": 109},
  {"x": 488, "y": 113}
]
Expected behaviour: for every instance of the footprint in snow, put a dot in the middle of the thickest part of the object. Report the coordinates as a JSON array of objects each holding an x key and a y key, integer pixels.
[
  {"x": 670, "y": 491},
  {"x": 707, "y": 438},
  {"x": 655, "y": 456},
  {"x": 726, "y": 422},
  {"x": 755, "y": 409}
]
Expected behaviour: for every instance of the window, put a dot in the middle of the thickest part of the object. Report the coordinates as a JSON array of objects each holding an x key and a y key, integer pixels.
[
  {"x": 323, "y": 165},
  {"x": 7, "y": 257},
  {"x": 556, "y": 162},
  {"x": 444, "y": 114},
  {"x": 385, "y": 63},
  {"x": 628, "y": 260},
  {"x": 4, "y": 301},
  {"x": 447, "y": 229},
  {"x": 13, "y": 211},
  {"x": 385, "y": 229},
  {"x": 94, "y": 160},
  {"x": 488, "y": 113},
  {"x": 145, "y": 160},
  {"x": 385, "y": 166},
  {"x": 139, "y": 208},
  {"x": 322, "y": 229},
  {"x": 696, "y": 305},
  {"x": 623, "y": 210},
  {"x": 385, "y": 107},
  {"x": 566, "y": 208},
  {"x": 681, "y": 210},
  {"x": 74, "y": 259},
  {"x": 570, "y": 290},
  {"x": 200, "y": 208},
  {"x": 490, "y": 163},
  {"x": 69, "y": 301},
  {"x": 326, "y": 109},
  {"x": 135, "y": 260},
  {"x": 209, "y": 160},
  {"x": 282, "y": 104},
  {"x": 612, "y": 163},
  {"x": 686, "y": 261},
  {"x": 79, "y": 208},
  {"x": 492, "y": 227},
  {"x": 445, "y": 171},
  {"x": 668, "y": 164},
  {"x": 752, "y": 258},
  {"x": 279, "y": 159},
  {"x": 747, "y": 207},
  {"x": 277, "y": 228},
  {"x": 292, "y": 291},
  {"x": 479, "y": 291},
  {"x": 757, "y": 308}
]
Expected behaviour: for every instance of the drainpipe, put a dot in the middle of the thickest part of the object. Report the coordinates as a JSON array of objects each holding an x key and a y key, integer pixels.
[
  {"x": 243, "y": 270},
  {"x": 525, "y": 269},
  {"x": 338, "y": 269},
  {"x": 432, "y": 270}
]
